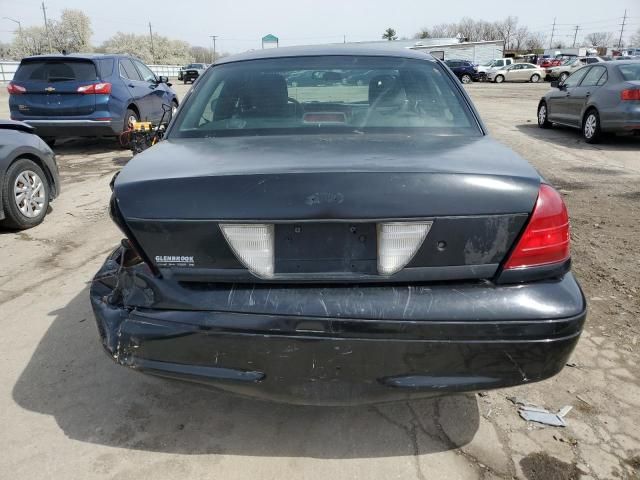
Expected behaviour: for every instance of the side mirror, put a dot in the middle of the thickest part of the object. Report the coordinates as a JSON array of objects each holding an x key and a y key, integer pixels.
[{"x": 163, "y": 79}]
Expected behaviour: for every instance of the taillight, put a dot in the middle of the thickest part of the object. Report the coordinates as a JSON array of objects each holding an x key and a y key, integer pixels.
[
  {"x": 630, "y": 94},
  {"x": 14, "y": 89},
  {"x": 546, "y": 238},
  {"x": 95, "y": 88}
]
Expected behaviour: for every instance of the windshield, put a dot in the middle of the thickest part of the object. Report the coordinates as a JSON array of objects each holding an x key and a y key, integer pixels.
[
  {"x": 343, "y": 94},
  {"x": 630, "y": 72},
  {"x": 487, "y": 64}
]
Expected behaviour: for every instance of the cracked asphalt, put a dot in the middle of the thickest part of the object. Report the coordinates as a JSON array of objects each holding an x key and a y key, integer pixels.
[{"x": 67, "y": 411}]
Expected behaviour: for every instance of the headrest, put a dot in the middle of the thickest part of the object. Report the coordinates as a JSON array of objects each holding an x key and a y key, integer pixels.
[{"x": 384, "y": 90}]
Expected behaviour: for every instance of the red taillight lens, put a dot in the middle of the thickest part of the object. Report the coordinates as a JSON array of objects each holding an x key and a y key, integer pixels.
[
  {"x": 96, "y": 88},
  {"x": 631, "y": 94},
  {"x": 546, "y": 238},
  {"x": 14, "y": 89}
]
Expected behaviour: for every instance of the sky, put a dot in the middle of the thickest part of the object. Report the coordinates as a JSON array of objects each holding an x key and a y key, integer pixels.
[{"x": 239, "y": 24}]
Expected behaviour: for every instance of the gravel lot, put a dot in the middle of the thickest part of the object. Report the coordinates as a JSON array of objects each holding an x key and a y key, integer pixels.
[{"x": 68, "y": 412}]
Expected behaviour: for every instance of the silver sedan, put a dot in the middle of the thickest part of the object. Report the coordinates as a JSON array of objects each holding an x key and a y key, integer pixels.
[{"x": 518, "y": 72}]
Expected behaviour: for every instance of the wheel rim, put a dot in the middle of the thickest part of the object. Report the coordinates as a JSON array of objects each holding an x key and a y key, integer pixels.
[
  {"x": 563, "y": 77},
  {"x": 466, "y": 79},
  {"x": 29, "y": 194},
  {"x": 132, "y": 119},
  {"x": 499, "y": 79},
  {"x": 174, "y": 107},
  {"x": 590, "y": 125},
  {"x": 535, "y": 79},
  {"x": 542, "y": 114}
]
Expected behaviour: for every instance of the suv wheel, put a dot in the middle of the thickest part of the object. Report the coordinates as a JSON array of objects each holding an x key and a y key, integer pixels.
[
  {"x": 563, "y": 77},
  {"x": 499, "y": 79},
  {"x": 591, "y": 127},
  {"x": 543, "y": 116},
  {"x": 25, "y": 194},
  {"x": 466, "y": 78}
]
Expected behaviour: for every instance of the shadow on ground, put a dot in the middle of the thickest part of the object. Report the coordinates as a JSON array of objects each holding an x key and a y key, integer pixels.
[
  {"x": 572, "y": 138},
  {"x": 93, "y": 400}
]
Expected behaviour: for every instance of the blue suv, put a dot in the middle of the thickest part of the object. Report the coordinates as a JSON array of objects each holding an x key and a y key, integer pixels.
[
  {"x": 86, "y": 95},
  {"x": 464, "y": 70}
]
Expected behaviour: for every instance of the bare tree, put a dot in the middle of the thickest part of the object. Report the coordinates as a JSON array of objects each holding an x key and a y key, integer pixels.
[
  {"x": 635, "y": 39},
  {"x": 520, "y": 36},
  {"x": 599, "y": 39},
  {"x": 389, "y": 34},
  {"x": 506, "y": 29},
  {"x": 535, "y": 41}
]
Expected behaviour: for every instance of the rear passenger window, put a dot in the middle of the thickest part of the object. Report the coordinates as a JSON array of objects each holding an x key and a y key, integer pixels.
[
  {"x": 57, "y": 71},
  {"x": 105, "y": 67},
  {"x": 127, "y": 70},
  {"x": 593, "y": 76}
]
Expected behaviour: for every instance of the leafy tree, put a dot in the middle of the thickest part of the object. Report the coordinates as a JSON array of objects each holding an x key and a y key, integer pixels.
[
  {"x": 424, "y": 33},
  {"x": 389, "y": 34},
  {"x": 72, "y": 33},
  {"x": 29, "y": 41},
  {"x": 165, "y": 50}
]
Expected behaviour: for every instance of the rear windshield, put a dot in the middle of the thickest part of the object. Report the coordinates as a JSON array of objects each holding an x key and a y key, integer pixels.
[
  {"x": 630, "y": 72},
  {"x": 342, "y": 94},
  {"x": 56, "y": 71}
]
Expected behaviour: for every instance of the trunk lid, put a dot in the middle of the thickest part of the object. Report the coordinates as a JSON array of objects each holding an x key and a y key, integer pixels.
[{"x": 327, "y": 196}]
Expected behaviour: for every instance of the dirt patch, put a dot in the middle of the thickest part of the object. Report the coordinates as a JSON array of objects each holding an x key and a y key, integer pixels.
[
  {"x": 596, "y": 170},
  {"x": 541, "y": 466},
  {"x": 563, "y": 184},
  {"x": 634, "y": 462},
  {"x": 629, "y": 195}
]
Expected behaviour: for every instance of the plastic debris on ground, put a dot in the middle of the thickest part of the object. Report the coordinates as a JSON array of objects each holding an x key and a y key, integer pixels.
[{"x": 533, "y": 413}]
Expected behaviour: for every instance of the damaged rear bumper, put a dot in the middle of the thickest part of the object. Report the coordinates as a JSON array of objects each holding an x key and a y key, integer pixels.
[{"x": 338, "y": 345}]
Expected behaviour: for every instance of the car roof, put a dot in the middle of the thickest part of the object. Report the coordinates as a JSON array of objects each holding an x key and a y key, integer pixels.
[
  {"x": 329, "y": 50},
  {"x": 78, "y": 56}
]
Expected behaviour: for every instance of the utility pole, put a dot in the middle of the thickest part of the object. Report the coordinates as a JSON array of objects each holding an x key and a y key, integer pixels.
[
  {"x": 575, "y": 35},
  {"x": 153, "y": 53},
  {"x": 213, "y": 48},
  {"x": 553, "y": 30},
  {"x": 344, "y": 39},
  {"x": 15, "y": 21},
  {"x": 624, "y": 20},
  {"x": 46, "y": 26}
]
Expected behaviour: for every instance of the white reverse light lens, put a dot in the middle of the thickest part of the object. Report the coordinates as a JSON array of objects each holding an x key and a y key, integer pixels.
[
  {"x": 398, "y": 242},
  {"x": 253, "y": 245}
]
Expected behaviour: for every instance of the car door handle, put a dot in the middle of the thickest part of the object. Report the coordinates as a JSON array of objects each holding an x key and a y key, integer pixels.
[
  {"x": 588, "y": 94},
  {"x": 131, "y": 85}
]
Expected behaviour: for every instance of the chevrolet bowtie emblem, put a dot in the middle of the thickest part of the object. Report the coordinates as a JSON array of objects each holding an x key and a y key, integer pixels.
[{"x": 50, "y": 89}]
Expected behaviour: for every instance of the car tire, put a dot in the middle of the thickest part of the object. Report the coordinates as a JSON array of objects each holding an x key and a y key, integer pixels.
[
  {"x": 466, "y": 78},
  {"x": 563, "y": 76},
  {"x": 174, "y": 107},
  {"x": 535, "y": 78},
  {"x": 130, "y": 116},
  {"x": 24, "y": 209},
  {"x": 543, "y": 116},
  {"x": 591, "y": 131},
  {"x": 498, "y": 79}
]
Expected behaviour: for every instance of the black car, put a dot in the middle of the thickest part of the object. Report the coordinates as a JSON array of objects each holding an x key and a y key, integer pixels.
[
  {"x": 326, "y": 245},
  {"x": 191, "y": 72},
  {"x": 29, "y": 178},
  {"x": 466, "y": 71}
]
